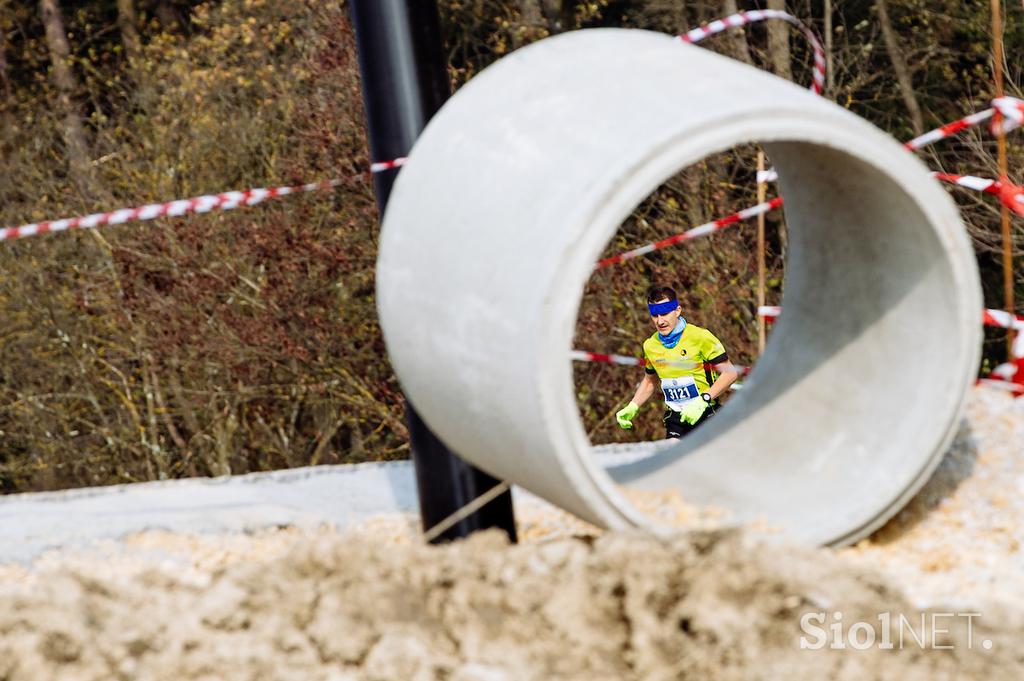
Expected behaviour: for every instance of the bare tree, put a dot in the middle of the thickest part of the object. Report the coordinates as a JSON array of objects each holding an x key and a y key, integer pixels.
[
  {"x": 899, "y": 65},
  {"x": 128, "y": 23},
  {"x": 5, "y": 80},
  {"x": 538, "y": 18},
  {"x": 663, "y": 15},
  {"x": 559, "y": 14},
  {"x": 778, "y": 43},
  {"x": 704, "y": 13},
  {"x": 167, "y": 16},
  {"x": 679, "y": 15},
  {"x": 739, "y": 38},
  {"x": 830, "y": 78},
  {"x": 530, "y": 12},
  {"x": 531, "y": 21},
  {"x": 6, "y": 92},
  {"x": 64, "y": 80},
  {"x": 5, "y": 83}
]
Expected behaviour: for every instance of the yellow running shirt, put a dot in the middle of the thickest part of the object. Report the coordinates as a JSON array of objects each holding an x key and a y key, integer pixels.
[{"x": 681, "y": 369}]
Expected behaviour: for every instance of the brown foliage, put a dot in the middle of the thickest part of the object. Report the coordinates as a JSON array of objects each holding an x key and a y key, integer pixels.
[
  {"x": 248, "y": 340},
  {"x": 220, "y": 343}
]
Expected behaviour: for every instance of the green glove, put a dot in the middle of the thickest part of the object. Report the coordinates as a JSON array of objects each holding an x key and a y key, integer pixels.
[
  {"x": 693, "y": 409},
  {"x": 625, "y": 415}
]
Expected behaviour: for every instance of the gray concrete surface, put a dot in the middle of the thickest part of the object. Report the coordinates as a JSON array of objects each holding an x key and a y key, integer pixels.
[
  {"x": 303, "y": 497},
  {"x": 519, "y": 182}
]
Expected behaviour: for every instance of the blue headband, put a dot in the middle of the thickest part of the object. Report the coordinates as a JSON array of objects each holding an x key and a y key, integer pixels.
[{"x": 662, "y": 308}]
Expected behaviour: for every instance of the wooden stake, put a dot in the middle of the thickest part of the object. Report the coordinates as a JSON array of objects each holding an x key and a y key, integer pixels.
[
  {"x": 762, "y": 189},
  {"x": 997, "y": 67}
]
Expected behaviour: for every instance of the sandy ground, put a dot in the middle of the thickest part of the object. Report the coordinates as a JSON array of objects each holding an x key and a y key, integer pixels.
[
  {"x": 942, "y": 583},
  {"x": 959, "y": 540}
]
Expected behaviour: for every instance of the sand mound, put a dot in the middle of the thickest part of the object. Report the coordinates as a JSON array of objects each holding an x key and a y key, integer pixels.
[
  {"x": 959, "y": 540},
  {"x": 708, "y": 605},
  {"x": 940, "y": 585}
]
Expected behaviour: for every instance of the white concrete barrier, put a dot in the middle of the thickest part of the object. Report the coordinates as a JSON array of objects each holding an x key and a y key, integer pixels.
[{"x": 520, "y": 181}]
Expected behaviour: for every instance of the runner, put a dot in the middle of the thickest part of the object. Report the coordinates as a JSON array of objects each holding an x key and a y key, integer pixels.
[{"x": 680, "y": 357}]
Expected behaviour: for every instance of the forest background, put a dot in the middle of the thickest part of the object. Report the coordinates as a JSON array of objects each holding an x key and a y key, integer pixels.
[{"x": 247, "y": 340}]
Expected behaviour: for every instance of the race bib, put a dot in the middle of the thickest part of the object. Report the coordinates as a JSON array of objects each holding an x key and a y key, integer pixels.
[{"x": 678, "y": 391}]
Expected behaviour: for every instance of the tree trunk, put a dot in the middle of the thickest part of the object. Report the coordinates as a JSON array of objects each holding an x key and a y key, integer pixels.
[
  {"x": 5, "y": 90},
  {"x": 679, "y": 16},
  {"x": 64, "y": 81},
  {"x": 899, "y": 65},
  {"x": 530, "y": 25},
  {"x": 5, "y": 81},
  {"x": 530, "y": 13},
  {"x": 700, "y": 10},
  {"x": 128, "y": 23},
  {"x": 739, "y": 38},
  {"x": 559, "y": 14},
  {"x": 778, "y": 43},
  {"x": 830, "y": 77},
  {"x": 167, "y": 16},
  {"x": 693, "y": 181}
]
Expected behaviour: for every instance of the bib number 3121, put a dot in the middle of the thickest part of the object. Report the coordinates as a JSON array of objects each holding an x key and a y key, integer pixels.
[{"x": 680, "y": 393}]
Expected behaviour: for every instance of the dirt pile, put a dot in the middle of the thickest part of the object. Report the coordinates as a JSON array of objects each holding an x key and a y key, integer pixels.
[
  {"x": 960, "y": 538},
  {"x": 941, "y": 584},
  {"x": 709, "y": 605}
]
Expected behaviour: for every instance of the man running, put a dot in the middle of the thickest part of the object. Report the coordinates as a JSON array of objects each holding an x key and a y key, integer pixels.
[{"x": 680, "y": 357}]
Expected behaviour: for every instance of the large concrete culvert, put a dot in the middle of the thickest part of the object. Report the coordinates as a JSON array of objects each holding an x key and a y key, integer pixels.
[{"x": 520, "y": 181}]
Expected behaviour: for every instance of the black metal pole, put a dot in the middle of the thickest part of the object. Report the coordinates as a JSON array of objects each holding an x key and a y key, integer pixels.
[{"x": 405, "y": 82}]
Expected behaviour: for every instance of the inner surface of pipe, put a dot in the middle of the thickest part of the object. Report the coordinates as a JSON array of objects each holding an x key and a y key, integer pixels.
[
  {"x": 520, "y": 181},
  {"x": 838, "y": 424}
]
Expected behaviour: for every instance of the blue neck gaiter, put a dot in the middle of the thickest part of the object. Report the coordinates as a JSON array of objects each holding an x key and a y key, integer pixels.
[{"x": 673, "y": 337}]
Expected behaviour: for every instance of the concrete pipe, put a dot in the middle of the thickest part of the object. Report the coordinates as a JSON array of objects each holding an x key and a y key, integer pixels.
[{"x": 521, "y": 180}]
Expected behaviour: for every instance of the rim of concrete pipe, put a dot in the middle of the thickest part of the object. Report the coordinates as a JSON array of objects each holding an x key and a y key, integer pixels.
[{"x": 520, "y": 181}]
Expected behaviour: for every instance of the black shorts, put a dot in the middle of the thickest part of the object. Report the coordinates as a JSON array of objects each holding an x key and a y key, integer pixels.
[{"x": 676, "y": 427}]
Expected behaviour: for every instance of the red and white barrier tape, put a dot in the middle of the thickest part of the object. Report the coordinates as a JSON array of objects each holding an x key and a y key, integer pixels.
[
  {"x": 702, "y": 230},
  {"x": 743, "y": 18},
  {"x": 1009, "y": 194},
  {"x": 601, "y": 358},
  {"x": 989, "y": 316},
  {"x": 1010, "y": 116},
  {"x": 381, "y": 166},
  {"x": 626, "y": 360},
  {"x": 1010, "y": 110},
  {"x": 1002, "y": 384},
  {"x": 1007, "y": 376},
  {"x": 198, "y": 204},
  {"x": 180, "y": 207},
  {"x": 949, "y": 129},
  {"x": 980, "y": 184},
  {"x": 1005, "y": 320},
  {"x": 1002, "y": 318},
  {"x": 1007, "y": 112}
]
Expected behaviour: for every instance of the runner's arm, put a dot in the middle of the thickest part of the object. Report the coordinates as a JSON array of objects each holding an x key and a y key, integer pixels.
[
  {"x": 645, "y": 389},
  {"x": 727, "y": 375}
]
